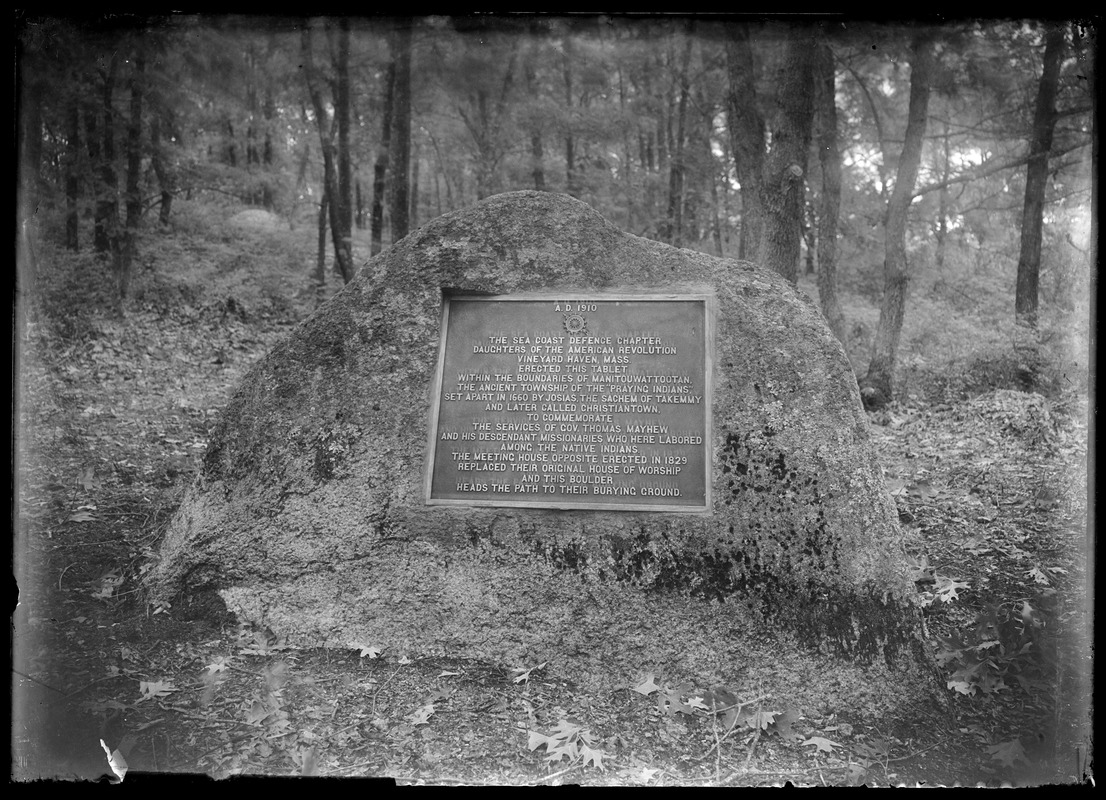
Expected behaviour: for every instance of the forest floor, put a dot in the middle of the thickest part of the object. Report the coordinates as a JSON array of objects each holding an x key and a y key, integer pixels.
[{"x": 115, "y": 411}]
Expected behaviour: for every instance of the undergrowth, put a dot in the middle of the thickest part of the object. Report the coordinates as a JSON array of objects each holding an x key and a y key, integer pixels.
[{"x": 115, "y": 413}]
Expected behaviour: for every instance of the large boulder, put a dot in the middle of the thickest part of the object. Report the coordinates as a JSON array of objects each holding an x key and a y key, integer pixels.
[{"x": 309, "y": 515}]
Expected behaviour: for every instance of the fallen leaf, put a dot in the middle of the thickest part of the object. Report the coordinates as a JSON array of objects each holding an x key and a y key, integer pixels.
[
  {"x": 594, "y": 757},
  {"x": 116, "y": 761},
  {"x": 524, "y": 674},
  {"x": 421, "y": 715},
  {"x": 1008, "y": 753},
  {"x": 153, "y": 689},
  {"x": 536, "y": 740},
  {"x": 218, "y": 664},
  {"x": 823, "y": 745},
  {"x": 647, "y": 686}
]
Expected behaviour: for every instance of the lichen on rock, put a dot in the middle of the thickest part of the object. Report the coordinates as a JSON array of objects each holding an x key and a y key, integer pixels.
[{"x": 309, "y": 514}]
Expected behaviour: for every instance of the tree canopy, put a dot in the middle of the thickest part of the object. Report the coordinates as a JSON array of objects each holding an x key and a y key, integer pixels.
[{"x": 706, "y": 133}]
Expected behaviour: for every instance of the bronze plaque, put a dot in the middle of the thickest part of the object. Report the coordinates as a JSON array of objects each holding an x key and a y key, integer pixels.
[{"x": 566, "y": 401}]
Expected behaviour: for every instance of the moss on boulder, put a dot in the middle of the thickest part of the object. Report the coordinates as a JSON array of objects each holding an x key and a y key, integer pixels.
[{"x": 309, "y": 517}]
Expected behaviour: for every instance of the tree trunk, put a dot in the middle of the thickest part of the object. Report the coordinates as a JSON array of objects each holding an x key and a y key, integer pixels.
[
  {"x": 72, "y": 178},
  {"x": 320, "y": 252},
  {"x": 380, "y": 168},
  {"x": 877, "y": 387},
  {"x": 572, "y": 186},
  {"x": 107, "y": 203},
  {"x": 133, "y": 193},
  {"x": 941, "y": 234},
  {"x": 746, "y": 137},
  {"x": 1027, "y": 342},
  {"x": 341, "y": 201},
  {"x": 830, "y": 158},
  {"x": 29, "y": 159},
  {"x": 401, "y": 134},
  {"x": 268, "y": 110},
  {"x": 781, "y": 187},
  {"x": 92, "y": 144},
  {"x": 166, "y": 177},
  {"x": 416, "y": 163},
  {"x": 674, "y": 223},
  {"x": 359, "y": 201},
  {"x": 340, "y": 238},
  {"x": 537, "y": 170}
]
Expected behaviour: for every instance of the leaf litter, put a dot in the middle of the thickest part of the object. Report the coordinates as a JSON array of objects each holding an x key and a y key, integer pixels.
[{"x": 115, "y": 416}]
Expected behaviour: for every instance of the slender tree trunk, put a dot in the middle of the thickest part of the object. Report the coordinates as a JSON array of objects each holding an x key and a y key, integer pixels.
[
  {"x": 830, "y": 158},
  {"x": 268, "y": 110},
  {"x": 166, "y": 175},
  {"x": 107, "y": 203},
  {"x": 72, "y": 178},
  {"x": 781, "y": 188},
  {"x": 340, "y": 238},
  {"x": 941, "y": 234},
  {"x": 359, "y": 200},
  {"x": 747, "y": 131},
  {"x": 877, "y": 387},
  {"x": 537, "y": 170},
  {"x": 29, "y": 159},
  {"x": 320, "y": 251},
  {"x": 674, "y": 222},
  {"x": 571, "y": 182},
  {"x": 133, "y": 193},
  {"x": 342, "y": 201},
  {"x": 401, "y": 134},
  {"x": 416, "y": 164},
  {"x": 380, "y": 168},
  {"x": 92, "y": 142},
  {"x": 232, "y": 147},
  {"x": 1027, "y": 340}
]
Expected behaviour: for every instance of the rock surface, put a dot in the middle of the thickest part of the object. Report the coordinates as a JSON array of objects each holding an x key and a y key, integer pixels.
[{"x": 309, "y": 516}]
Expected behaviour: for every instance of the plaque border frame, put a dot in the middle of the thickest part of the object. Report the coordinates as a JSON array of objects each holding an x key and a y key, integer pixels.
[{"x": 697, "y": 294}]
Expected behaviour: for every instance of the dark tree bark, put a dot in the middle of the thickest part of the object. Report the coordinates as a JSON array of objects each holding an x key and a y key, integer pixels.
[
  {"x": 747, "y": 131},
  {"x": 341, "y": 201},
  {"x": 231, "y": 145},
  {"x": 571, "y": 180},
  {"x": 401, "y": 134},
  {"x": 359, "y": 201},
  {"x": 416, "y": 162},
  {"x": 830, "y": 157},
  {"x": 92, "y": 145},
  {"x": 877, "y": 387},
  {"x": 166, "y": 174},
  {"x": 781, "y": 185},
  {"x": 72, "y": 177},
  {"x": 942, "y": 231},
  {"x": 326, "y": 140},
  {"x": 133, "y": 193},
  {"x": 29, "y": 158},
  {"x": 537, "y": 169},
  {"x": 1027, "y": 340},
  {"x": 268, "y": 110},
  {"x": 674, "y": 223},
  {"x": 380, "y": 168},
  {"x": 320, "y": 251},
  {"x": 107, "y": 200}
]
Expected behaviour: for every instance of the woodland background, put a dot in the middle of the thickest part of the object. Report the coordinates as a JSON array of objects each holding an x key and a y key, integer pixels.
[
  {"x": 190, "y": 187},
  {"x": 953, "y": 159}
]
